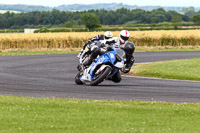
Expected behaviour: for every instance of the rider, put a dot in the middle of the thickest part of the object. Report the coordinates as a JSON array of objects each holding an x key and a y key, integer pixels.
[
  {"x": 107, "y": 35},
  {"x": 129, "y": 49},
  {"x": 122, "y": 42}
]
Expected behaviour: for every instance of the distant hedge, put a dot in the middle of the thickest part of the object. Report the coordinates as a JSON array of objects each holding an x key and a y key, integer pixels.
[{"x": 111, "y": 29}]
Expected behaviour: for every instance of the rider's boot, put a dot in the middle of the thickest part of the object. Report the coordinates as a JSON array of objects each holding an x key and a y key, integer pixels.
[{"x": 91, "y": 58}]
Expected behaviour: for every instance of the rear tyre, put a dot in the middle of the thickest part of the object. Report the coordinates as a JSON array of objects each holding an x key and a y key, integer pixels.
[
  {"x": 117, "y": 77},
  {"x": 100, "y": 77}
]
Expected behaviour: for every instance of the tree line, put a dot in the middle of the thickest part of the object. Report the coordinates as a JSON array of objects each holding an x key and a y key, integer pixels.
[
  {"x": 82, "y": 7},
  {"x": 118, "y": 17}
]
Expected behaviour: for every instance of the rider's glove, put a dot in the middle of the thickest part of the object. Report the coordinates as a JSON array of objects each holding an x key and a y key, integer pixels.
[{"x": 109, "y": 48}]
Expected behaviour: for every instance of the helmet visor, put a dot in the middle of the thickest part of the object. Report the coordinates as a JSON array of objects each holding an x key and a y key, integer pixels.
[
  {"x": 124, "y": 38},
  {"x": 107, "y": 37}
]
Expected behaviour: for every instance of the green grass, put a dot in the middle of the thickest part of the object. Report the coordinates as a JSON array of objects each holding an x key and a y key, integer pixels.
[
  {"x": 186, "y": 69},
  {"x": 166, "y": 49},
  {"x": 77, "y": 50},
  {"x": 140, "y": 49},
  {"x": 20, "y": 114},
  {"x": 36, "y": 52}
]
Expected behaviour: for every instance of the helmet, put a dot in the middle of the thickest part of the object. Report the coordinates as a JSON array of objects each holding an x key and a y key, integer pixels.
[
  {"x": 124, "y": 36},
  {"x": 108, "y": 34},
  {"x": 129, "y": 48}
]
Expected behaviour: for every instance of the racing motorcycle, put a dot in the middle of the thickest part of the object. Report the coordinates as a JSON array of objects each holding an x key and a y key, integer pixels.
[{"x": 103, "y": 67}]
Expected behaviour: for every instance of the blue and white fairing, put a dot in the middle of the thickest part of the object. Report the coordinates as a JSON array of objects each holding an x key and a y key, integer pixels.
[{"x": 111, "y": 58}]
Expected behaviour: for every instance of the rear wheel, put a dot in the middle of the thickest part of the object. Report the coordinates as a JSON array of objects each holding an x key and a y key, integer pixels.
[
  {"x": 116, "y": 77},
  {"x": 100, "y": 77}
]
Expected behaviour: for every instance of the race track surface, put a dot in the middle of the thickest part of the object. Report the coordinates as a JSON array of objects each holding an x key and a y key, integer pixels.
[{"x": 53, "y": 76}]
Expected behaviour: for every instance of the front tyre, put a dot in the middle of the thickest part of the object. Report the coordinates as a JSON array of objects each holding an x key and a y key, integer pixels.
[
  {"x": 77, "y": 78},
  {"x": 100, "y": 77}
]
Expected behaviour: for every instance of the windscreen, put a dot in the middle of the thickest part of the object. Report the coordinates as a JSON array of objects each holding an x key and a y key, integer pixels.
[{"x": 120, "y": 52}]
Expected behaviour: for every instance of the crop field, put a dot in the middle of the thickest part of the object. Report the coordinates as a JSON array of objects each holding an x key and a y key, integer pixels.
[{"x": 189, "y": 38}]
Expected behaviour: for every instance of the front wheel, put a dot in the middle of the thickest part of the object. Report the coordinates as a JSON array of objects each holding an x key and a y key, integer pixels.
[
  {"x": 100, "y": 77},
  {"x": 77, "y": 78}
]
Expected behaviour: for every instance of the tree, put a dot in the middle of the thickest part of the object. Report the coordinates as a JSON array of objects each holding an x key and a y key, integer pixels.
[
  {"x": 190, "y": 11},
  {"x": 196, "y": 19},
  {"x": 153, "y": 21},
  {"x": 70, "y": 24},
  {"x": 176, "y": 20},
  {"x": 90, "y": 21}
]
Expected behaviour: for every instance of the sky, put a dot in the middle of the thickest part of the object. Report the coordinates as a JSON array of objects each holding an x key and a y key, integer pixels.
[{"x": 52, "y": 3}]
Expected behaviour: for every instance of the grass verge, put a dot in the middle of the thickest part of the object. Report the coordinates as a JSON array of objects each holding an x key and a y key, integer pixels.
[
  {"x": 36, "y": 52},
  {"x": 77, "y": 50},
  {"x": 166, "y": 48},
  {"x": 21, "y": 114},
  {"x": 185, "y": 69}
]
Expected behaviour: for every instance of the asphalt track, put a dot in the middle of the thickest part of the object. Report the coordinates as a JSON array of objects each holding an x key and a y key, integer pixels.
[{"x": 53, "y": 76}]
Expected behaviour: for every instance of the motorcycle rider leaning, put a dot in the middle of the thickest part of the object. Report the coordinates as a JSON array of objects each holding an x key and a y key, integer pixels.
[
  {"x": 129, "y": 49},
  {"x": 123, "y": 43},
  {"x": 107, "y": 35}
]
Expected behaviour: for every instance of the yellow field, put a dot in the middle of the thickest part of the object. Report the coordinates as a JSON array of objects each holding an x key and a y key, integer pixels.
[
  {"x": 77, "y": 39},
  {"x": 166, "y": 38}
]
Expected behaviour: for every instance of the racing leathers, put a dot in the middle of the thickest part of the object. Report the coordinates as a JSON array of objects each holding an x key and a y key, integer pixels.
[
  {"x": 92, "y": 40},
  {"x": 127, "y": 46},
  {"x": 129, "y": 50}
]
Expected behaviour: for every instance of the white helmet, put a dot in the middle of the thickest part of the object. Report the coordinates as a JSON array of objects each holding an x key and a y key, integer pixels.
[
  {"x": 124, "y": 36},
  {"x": 108, "y": 34}
]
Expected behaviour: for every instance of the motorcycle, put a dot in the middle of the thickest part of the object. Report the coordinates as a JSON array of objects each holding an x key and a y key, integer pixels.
[{"x": 102, "y": 68}]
